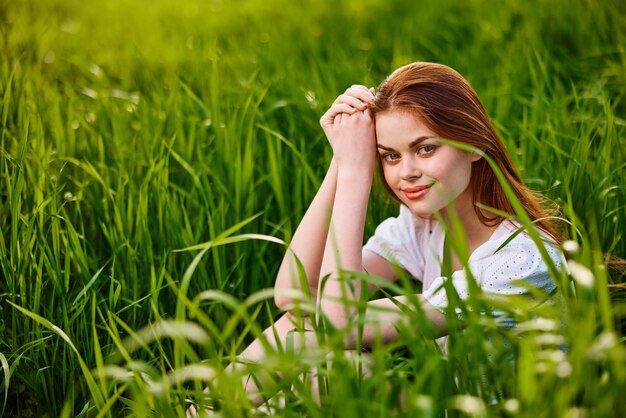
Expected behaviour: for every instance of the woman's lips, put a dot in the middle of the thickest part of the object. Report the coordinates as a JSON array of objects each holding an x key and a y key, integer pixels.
[{"x": 415, "y": 192}]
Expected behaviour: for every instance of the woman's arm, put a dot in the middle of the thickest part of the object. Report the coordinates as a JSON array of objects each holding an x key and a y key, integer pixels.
[
  {"x": 354, "y": 148},
  {"x": 308, "y": 242}
]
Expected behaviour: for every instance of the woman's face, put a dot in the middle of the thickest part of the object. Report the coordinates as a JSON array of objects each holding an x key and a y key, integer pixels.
[{"x": 425, "y": 174}]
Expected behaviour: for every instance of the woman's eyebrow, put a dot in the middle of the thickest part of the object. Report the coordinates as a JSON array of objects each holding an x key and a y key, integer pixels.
[
  {"x": 381, "y": 146},
  {"x": 413, "y": 143},
  {"x": 417, "y": 141}
]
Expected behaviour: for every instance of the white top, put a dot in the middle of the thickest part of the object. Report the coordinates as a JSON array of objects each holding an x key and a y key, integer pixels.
[{"x": 417, "y": 245}]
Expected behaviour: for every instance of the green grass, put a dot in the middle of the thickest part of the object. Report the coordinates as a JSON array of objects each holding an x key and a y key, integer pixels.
[{"x": 131, "y": 130}]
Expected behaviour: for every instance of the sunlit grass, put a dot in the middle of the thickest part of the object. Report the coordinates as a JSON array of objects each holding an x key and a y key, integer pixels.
[{"x": 155, "y": 155}]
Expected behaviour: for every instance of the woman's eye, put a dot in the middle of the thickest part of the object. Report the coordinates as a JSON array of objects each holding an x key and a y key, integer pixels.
[
  {"x": 389, "y": 157},
  {"x": 425, "y": 149}
]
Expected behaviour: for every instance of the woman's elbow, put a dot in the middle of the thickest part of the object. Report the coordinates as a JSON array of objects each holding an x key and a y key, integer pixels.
[
  {"x": 290, "y": 300},
  {"x": 283, "y": 302},
  {"x": 283, "y": 296},
  {"x": 289, "y": 295}
]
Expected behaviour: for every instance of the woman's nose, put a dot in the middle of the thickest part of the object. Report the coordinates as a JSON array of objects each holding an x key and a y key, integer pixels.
[{"x": 410, "y": 169}]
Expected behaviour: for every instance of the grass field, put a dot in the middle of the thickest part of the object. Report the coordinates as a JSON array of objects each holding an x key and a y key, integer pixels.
[{"x": 132, "y": 130}]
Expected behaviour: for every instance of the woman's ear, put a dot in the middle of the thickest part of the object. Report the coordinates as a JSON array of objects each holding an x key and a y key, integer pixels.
[{"x": 475, "y": 156}]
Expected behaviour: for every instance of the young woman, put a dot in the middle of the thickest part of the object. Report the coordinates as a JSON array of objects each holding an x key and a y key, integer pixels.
[{"x": 399, "y": 128}]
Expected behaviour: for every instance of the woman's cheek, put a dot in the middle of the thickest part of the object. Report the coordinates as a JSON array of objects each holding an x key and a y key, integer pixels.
[{"x": 386, "y": 174}]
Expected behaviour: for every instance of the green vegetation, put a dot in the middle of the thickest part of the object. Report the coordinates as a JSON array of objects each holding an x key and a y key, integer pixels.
[{"x": 133, "y": 129}]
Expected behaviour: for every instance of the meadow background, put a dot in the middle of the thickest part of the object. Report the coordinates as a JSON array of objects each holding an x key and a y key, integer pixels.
[{"x": 133, "y": 129}]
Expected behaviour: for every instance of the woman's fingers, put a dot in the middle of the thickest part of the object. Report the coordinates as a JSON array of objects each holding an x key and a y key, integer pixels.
[
  {"x": 328, "y": 119},
  {"x": 354, "y": 99},
  {"x": 360, "y": 92},
  {"x": 338, "y": 108},
  {"x": 343, "y": 104},
  {"x": 356, "y": 102},
  {"x": 357, "y": 97},
  {"x": 348, "y": 124},
  {"x": 191, "y": 412},
  {"x": 338, "y": 119}
]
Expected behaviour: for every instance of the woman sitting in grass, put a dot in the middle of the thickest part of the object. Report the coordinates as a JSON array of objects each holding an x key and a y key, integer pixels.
[{"x": 410, "y": 128}]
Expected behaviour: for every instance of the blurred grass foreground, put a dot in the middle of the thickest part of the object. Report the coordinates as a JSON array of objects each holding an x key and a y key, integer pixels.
[{"x": 132, "y": 129}]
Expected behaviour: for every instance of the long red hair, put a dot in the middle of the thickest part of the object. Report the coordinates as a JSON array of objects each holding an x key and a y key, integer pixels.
[{"x": 446, "y": 103}]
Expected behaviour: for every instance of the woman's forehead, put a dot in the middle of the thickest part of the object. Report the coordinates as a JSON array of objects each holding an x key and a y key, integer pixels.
[{"x": 400, "y": 123}]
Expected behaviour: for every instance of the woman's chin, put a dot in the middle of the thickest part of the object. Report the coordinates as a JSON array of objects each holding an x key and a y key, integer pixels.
[{"x": 419, "y": 210}]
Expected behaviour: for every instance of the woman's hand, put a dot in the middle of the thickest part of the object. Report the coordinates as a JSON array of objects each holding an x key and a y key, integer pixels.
[
  {"x": 354, "y": 99},
  {"x": 354, "y": 143}
]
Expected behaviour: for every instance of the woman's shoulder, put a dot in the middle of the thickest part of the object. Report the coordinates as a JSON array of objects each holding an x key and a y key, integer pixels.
[
  {"x": 512, "y": 240},
  {"x": 510, "y": 231}
]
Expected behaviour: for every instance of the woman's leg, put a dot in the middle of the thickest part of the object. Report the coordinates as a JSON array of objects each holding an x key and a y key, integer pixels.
[
  {"x": 382, "y": 318},
  {"x": 274, "y": 337}
]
